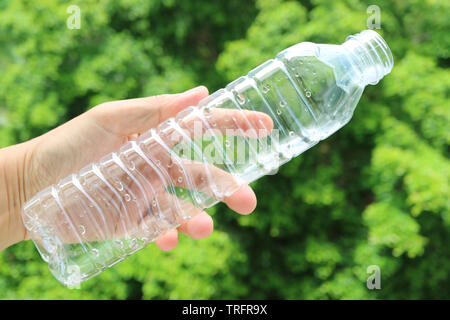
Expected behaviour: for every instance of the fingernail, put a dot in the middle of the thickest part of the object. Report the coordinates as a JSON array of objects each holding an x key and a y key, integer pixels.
[{"x": 190, "y": 91}]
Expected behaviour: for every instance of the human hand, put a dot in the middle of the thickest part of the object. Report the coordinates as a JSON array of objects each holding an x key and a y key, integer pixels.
[{"x": 102, "y": 130}]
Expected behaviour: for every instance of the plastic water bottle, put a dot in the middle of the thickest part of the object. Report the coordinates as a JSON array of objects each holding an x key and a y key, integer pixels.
[{"x": 95, "y": 218}]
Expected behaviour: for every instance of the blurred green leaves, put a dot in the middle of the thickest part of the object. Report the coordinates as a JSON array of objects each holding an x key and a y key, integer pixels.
[{"x": 393, "y": 228}]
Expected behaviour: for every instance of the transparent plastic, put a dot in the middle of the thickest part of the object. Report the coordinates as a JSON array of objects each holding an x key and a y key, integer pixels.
[{"x": 95, "y": 218}]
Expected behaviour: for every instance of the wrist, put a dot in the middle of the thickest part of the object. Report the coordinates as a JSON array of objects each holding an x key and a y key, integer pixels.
[{"x": 15, "y": 169}]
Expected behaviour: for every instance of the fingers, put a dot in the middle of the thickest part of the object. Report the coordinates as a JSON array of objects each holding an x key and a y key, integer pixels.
[
  {"x": 203, "y": 177},
  {"x": 242, "y": 201},
  {"x": 191, "y": 175},
  {"x": 168, "y": 241},
  {"x": 199, "y": 227},
  {"x": 217, "y": 183},
  {"x": 127, "y": 117}
]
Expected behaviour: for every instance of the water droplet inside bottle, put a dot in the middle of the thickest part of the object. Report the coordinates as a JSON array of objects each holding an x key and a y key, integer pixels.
[
  {"x": 291, "y": 133},
  {"x": 118, "y": 243},
  {"x": 207, "y": 112},
  {"x": 95, "y": 252},
  {"x": 133, "y": 244},
  {"x": 227, "y": 144},
  {"x": 154, "y": 203},
  {"x": 180, "y": 190},
  {"x": 282, "y": 103},
  {"x": 260, "y": 164},
  {"x": 82, "y": 229},
  {"x": 240, "y": 98},
  {"x": 28, "y": 225},
  {"x": 119, "y": 185},
  {"x": 265, "y": 88},
  {"x": 279, "y": 112},
  {"x": 49, "y": 244},
  {"x": 308, "y": 94},
  {"x": 158, "y": 162},
  {"x": 214, "y": 123},
  {"x": 127, "y": 197},
  {"x": 268, "y": 167},
  {"x": 180, "y": 179}
]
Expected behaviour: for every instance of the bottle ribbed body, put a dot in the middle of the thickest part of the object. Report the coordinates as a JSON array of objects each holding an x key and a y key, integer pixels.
[{"x": 110, "y": 209}]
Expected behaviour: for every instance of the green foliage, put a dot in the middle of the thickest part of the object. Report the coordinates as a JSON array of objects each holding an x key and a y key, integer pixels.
[
  {"x": 375, "y": 193},
  {"x": 188, "y": 273}
]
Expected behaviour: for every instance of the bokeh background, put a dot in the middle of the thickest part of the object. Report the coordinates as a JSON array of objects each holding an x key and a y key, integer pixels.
[{"x": 375, "y": 193}]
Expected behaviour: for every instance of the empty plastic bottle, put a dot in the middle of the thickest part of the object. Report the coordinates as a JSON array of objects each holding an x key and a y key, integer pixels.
[{"x": 110, "y": 209}]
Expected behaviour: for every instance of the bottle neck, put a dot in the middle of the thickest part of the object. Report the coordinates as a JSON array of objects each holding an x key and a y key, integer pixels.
[{"x": 370, "y": 54}]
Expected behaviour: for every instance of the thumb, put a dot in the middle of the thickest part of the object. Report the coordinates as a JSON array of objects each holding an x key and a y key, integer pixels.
[{"x": 127, "y": 117}]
